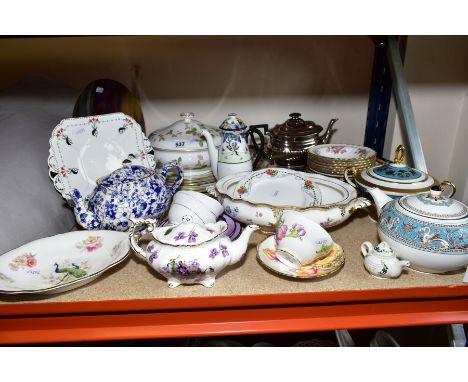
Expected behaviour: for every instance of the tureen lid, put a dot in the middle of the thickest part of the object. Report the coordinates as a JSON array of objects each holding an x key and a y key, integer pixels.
[
  {"x": 396, "y": 176},
  {"x": 184, "y": 135},
  {"x": 233, "y": 122},
  {"x": 398, "y": 171},
  {"x": 295, "y": 127},
  {"x": 434, "y": 205},
  {"x": 126, "y": 173},
  {"x": 187, "y": 233}
]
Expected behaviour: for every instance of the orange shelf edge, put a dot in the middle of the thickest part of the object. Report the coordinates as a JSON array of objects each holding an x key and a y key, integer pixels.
[{"x": 253, "y": 320}]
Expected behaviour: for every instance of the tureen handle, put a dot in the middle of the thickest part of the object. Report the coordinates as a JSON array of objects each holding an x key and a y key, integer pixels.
[
  {"x": 180, "y": 176},
  {"x": 348, "y": 177},
  {"x": 448, "y": 184},
  {"x": 400, "y": 153}
]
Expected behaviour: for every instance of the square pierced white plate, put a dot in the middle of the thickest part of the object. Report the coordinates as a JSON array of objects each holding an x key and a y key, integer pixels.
[{"x": 84, "y": 149}]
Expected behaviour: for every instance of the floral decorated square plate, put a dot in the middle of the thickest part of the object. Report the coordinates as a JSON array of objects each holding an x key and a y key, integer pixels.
[
  {"x": 63, "y": 262},
  {"x": 324, "y": 266},
  {"x": 82, "y": 150}
]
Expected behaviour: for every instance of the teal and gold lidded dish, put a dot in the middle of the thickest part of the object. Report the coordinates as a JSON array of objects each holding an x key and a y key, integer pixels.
[{"x": 395, "y": 179}]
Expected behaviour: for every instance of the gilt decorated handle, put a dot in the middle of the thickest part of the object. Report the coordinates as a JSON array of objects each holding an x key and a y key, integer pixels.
[
  {"x": 134, "y": 236},
  {"x": 447, "y": 183}
]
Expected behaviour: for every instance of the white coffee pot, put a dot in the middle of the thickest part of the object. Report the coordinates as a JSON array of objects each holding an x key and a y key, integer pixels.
[{"x": 233, "y": 156}]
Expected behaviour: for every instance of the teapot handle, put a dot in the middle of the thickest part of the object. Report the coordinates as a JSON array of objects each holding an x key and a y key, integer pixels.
[
  {"x": 366, "y": 248},
  {"x": 134, "y": 237},
  {"x": 258, "y": 148},
  {"x": 180, "y": 175}
]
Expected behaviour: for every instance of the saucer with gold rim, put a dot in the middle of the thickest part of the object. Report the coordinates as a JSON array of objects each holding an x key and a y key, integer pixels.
[{"x": 321, "y": 267}]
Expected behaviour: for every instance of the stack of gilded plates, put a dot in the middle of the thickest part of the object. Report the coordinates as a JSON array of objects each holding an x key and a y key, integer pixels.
[
  {"x": 194, "y": 180},
  {"x": 334, "y": 159}
]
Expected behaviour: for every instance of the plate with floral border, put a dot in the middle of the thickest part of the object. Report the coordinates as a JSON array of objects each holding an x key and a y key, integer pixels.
[
  {"x": 83, "y": 150},
  {"x": 61, "y": 263},
  {"x": 321, "y": 267}
]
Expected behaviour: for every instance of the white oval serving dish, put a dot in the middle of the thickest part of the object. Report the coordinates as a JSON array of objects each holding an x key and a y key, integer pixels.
[
  {"x": 63, "y": 262},
  {"x": 338, "y": 200}
]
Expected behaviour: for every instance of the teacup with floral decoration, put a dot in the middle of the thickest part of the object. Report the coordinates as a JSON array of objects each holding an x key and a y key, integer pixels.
[{"x": 300, "y": 241}]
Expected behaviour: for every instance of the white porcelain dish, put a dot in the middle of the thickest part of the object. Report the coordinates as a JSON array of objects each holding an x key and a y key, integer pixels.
[
  {"x": 278, "y": 187},
  {"x": 82, "y": 150},
  {"x": 60, "y": 263},
  {"x": 338, "y": 201}
]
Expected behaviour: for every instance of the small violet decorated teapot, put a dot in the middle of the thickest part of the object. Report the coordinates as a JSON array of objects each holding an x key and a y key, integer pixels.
[
  {"x": 190, "y": 253},
  {"x": 129, "y": 192},
  {"x": 381, "y": 261}
]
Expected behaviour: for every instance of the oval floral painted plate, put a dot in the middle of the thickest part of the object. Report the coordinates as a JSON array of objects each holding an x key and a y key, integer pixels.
[
  {"x": 83, "y": 150},
  {"x": 63, "y": 262},
  {"x": 319, "y": 268}
]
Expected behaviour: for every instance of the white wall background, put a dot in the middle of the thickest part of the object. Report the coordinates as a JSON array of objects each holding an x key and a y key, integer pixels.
[{"x": 263, "y": 79}]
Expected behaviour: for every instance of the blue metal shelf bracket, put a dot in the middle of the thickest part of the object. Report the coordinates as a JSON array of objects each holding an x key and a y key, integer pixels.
[{"x": 379, "y": 99}]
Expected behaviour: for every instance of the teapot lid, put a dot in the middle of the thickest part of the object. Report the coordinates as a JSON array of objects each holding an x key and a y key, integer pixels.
[
  {"x": 184, "y": 135},
  {"x": 434, "y": 205},
  {"x": 189, "y": 234},
  {"x": 295, "y": 126},
  {"x": 233, "y": 122},
  {"x": 124, "y": 174}
]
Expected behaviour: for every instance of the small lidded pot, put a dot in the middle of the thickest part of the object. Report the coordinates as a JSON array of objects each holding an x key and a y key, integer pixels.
[
  {"x": 182, "y": 143},
  {"x": 395, "y": 179},
  {"x": 381, "y": 261}
]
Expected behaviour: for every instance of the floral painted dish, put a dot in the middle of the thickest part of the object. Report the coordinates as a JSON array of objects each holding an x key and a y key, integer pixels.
[
  {"x": 60, "y": 263},
  {"x": 348, "y": 152},
  {"x": 278, "y": 186},
  {"x": 82, "y": 150},
  {"x": 321, "y": 267},
  {"x": 338, "y": 201}
]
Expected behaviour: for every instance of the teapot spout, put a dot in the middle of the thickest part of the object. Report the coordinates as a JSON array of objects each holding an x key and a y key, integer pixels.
[
  {"x": 239, "y": 246},
  {"x": 403, "y": 263},
  {"x": 84, "y": 216},
  {"x": 213, "y": 152},
  {"x": 325, "y": 138},
  {"x": 380, "y": 198}
]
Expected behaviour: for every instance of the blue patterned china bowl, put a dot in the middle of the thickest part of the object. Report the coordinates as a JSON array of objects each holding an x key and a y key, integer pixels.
[
  {"x": 429, "y": 230},
  {"x": 129, "y": 192}
]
